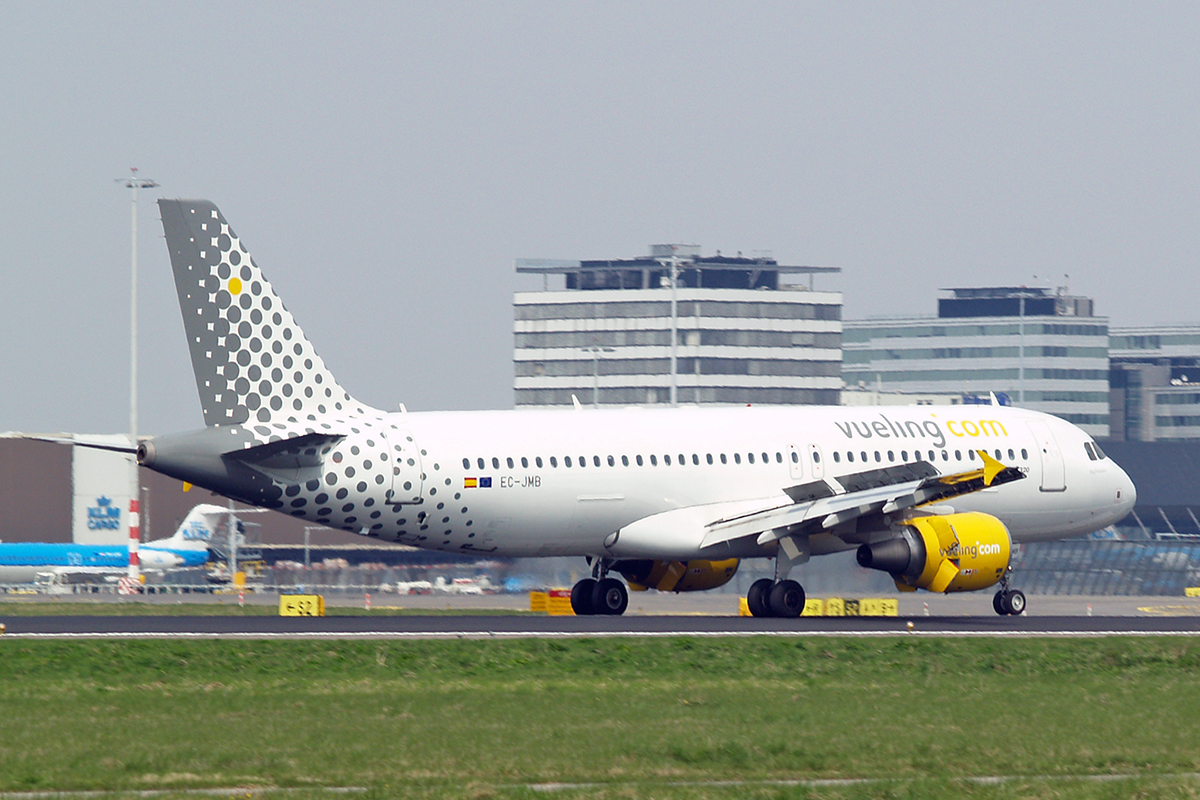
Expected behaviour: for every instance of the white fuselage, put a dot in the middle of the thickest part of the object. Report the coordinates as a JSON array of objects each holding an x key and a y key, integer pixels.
[{"x": 558, "y": 482}]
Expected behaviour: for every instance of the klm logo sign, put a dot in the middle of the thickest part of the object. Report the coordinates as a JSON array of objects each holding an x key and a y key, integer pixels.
[{"x": 104, "y": 516}]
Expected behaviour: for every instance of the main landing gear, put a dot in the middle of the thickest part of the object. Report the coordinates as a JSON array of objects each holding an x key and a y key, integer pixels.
[
  {"x": 599, "y": 594},
  {"x": 768, "y": 598},
  {"x": 1007, "y": 600}
]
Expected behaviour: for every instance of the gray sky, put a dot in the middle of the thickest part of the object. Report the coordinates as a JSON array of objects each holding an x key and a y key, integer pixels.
[{"x": 386, "y": 162}]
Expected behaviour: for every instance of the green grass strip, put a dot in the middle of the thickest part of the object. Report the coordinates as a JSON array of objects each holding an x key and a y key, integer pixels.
[{"x": 609, "y": 718}]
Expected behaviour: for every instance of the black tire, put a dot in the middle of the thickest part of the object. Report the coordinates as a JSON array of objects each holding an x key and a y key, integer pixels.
[
  {"x": 609, "y": 596},
  {"x": 757, "y": 597},
  {"x": 581, "y": 597},
  {"x": 1014, "y": 602},
  {"x": 787, "y": 599},
  {"x": 998, "y": 603}
]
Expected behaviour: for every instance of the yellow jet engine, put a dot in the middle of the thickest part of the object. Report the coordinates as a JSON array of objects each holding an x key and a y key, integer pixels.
[
  {"x": 954, "y": 553},
  {"x": 676, "y": 576}
]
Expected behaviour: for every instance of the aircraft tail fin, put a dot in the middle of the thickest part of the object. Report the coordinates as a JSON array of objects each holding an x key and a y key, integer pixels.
[
  {"x": 197, "y": 529},
  {"x": 251, "y": 360}
]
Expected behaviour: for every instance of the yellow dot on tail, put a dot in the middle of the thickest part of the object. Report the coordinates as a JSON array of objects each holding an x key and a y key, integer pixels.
[{"x": 235, "y": 286}]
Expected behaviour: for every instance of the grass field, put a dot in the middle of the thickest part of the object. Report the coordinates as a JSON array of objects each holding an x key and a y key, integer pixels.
[{"x": 677, "y": 718}]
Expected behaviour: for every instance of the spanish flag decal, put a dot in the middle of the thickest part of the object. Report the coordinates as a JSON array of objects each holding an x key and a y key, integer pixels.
[{"x": 471, "y": 483}]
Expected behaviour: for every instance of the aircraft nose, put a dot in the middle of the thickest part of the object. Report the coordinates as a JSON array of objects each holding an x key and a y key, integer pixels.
[{"x": 1126, "y": 492}]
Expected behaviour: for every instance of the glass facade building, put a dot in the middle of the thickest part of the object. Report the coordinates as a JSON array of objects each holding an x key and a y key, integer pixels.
[
  {"x": 1027, "y": 346},
  {"x": 1155, "y": 383}
]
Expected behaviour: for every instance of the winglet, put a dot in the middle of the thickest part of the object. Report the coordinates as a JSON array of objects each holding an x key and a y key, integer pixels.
[{"x": 991, "y": 467}]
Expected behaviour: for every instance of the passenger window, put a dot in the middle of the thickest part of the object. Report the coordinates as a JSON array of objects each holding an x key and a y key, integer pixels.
[
  {"x": 837, "y": 458},
  {"x": 750, "y": 457},
  {"x": 538, "y": 461},
  {"x": 904, "y": 456},
  {"x": 945, "y": 456},
  {"x": 554, "y": 461},
  {"x": 566, "y": 461},
  {"x": 864, "y": 456},
  {"x": 510, "y": 462},
  {"x": 1024, "y": 454},
  {"x": 932, "y": 456},
  {"x": 817, "y": 457},
  {"x": 495, "y": 463},
  {"x": 795, "y": 457},
  {"x": 998, "y": 456},
  {"x": 737, "y": 458},
  {"x": 682, "y": 459},
  {"x": 958, "y": 455},
  {"x": 1011, "y": 455},
  {"x": 611, "y": 461},
  {"x": 778, "y": 457},
  {"x": 639, "y": 460},
  {"x": 724, "y": 460},
  {"x": 653, "y": 460},
  {"x": 696, "y": 459},
  {"x": 708, "y": 457},
  {"x": 667, "y": 459},
  {"x": 466, "y": 463},
  {"x": 480, "y": 463},
  {"x": 596, "y": 461},
  {"x": 850, "y": 456},
  {"x": 970, "y": 455},
  {"x": 891, "y": 456},
  {"x": 624, "y": 461},
  {"x": 524, "y": 462},
  {"x": 878, "y": 458}
]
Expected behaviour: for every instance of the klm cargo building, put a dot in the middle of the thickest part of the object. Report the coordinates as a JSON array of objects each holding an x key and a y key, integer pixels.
[{"x": 1029, "y": 346}]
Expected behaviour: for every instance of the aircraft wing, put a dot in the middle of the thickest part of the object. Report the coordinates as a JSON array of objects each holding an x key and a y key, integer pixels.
[{"x": 822, "y": 505}]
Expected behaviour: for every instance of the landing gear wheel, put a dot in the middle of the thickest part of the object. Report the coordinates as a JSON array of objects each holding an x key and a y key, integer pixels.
[
  {"x": 757, "y": 597},
  {"x": 1014, "y": 602},
  {"x": 998, "y": 603},
  {"x": 609, "y": 596},
  {"x": 581, "y": 597},
  {"x": 787, "y": 599}
]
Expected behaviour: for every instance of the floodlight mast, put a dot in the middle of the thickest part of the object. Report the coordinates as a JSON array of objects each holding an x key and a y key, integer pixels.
[{"x": 133, "y": 183}]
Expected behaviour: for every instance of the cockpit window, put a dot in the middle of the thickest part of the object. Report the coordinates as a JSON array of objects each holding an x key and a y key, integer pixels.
[
  {"x": 1099, "y": 453},
  {"x": 1091, "y": 450}
]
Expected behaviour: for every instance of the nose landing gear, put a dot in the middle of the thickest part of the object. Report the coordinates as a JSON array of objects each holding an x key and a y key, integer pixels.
[{"x": 1008, "y": 600}]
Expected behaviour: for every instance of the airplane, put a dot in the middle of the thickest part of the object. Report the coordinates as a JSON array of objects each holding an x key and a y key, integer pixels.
[
  {"x": 669, "y": 498},
  {"x": 22, "y": 562}
]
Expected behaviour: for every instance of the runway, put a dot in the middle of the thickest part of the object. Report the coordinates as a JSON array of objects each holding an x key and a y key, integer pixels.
[{"x": 534, "y": 626}]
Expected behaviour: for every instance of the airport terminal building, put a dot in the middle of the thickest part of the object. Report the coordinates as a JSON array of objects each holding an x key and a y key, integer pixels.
[
  {"x": 1029, "y": 346},
  {"x": 676, "y": 326}
]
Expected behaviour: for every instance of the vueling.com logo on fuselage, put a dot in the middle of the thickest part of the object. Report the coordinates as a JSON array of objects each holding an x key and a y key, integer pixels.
[{"x": 931, "y": 431}]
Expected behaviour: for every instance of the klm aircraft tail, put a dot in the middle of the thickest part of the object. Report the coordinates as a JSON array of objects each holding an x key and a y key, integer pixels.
[{"x": 251, "y": 360}]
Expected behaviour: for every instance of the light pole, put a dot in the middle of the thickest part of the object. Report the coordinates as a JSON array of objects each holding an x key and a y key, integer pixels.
[
  {"x": 596, "y": 351},
  {"x": 133, "y": 183}
]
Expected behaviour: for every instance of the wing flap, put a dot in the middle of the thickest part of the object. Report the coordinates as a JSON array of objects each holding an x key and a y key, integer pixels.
[{"x": 824, "y": 505}]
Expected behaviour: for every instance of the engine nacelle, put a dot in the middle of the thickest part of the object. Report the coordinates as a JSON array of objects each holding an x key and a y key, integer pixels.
[
  {"x": 954, "y": 553},
  {"x": 676, "y": 576}
]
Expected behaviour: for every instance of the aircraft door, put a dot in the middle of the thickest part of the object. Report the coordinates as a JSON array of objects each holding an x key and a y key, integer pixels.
[
  {"x": 406, "y": 482},
  {"x": 816, "y": 461},
  {"x": 1054, "y": 478},
  {"x": 795, "y": 462}
]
